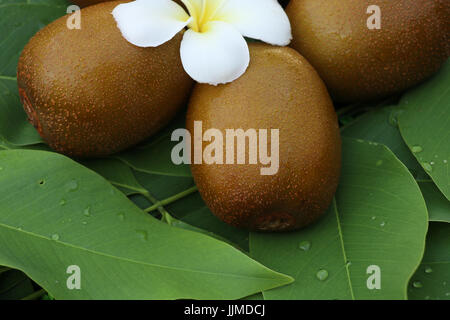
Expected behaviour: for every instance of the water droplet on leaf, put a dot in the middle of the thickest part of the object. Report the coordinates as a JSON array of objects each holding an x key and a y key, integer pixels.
[
  {"x": 428, "y": 270},
  {"x": 416, "y": 149},
  {"x": 427, "y": 166},
  {"x": 305, "y": 245},
  {"x": 379, "y": 163},
  {"x": 393, "y": 117},
  {"x": 142, "y": 234},
  {"x": 55, "y": 236},
  {"x": 71, "y": 186},
  {"x": 417, "y": 284},
  {"x": 322, "y": 275},
  {"x": 87, "y": 212}
]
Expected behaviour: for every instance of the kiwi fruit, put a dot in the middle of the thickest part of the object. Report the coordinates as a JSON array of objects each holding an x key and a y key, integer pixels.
[
  {"x": 85, "y": 3},
  {"x": 91, "y": 93},
  {"x": 280, "y": 90},
  {"x": 361, "y": 64}
]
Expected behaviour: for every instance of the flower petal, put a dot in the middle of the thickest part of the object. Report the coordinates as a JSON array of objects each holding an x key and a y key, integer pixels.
[
  {"x": 217, "y": 55},
  {"x": 258, "y": 19},
  {"x": 150, "y": 23}
]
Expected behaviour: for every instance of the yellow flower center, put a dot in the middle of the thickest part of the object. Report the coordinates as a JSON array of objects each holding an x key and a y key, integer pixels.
[{"x": 202, "y": 12}]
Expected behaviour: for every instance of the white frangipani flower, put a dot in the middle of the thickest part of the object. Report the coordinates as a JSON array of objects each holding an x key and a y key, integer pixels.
[{"x": 213, "y": 50}]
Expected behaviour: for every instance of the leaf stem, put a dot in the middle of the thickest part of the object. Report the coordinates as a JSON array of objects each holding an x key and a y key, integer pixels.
[
  {"x": 35, "y": 295},
  {"x": 138, "y": 190},
  {"x": 8, "y": 78},
  {"x": 153, "y": 200},
  {"x": 156, "y": 205}
]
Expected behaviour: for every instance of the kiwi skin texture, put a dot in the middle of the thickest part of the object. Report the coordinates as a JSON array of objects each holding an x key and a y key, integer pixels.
[
  {"x": 280, "y": 90},
  {"x": 91, "y": 93},
  {"x": 85, "y": 3},
  {"x": 359, "y": 64}
]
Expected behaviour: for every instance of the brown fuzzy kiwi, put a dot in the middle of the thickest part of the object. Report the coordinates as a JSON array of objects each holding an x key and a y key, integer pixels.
[
  {"x": 91, "y": 93},
  {"x": 358, "y": 63},
  {"x": 85, "y": 3},
  {"x": 280, "y": 90}
]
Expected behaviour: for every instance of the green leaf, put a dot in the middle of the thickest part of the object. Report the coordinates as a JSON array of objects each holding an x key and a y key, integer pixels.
[
  {"x": 14, "y": 126},
  {"x": 194, "y": 211},
  {"x": 381, "y": 125},
  {"x": 14, "y": 285},
  {"x": 19, "y": 21},
  {"x": 55, "y": 213},
  {"x": 432, "y": 279},
  {"x": 425, "y": 126},
  {"x": 117, "y": 173},
  {"x": 154, "y": 155},
  {"x": 258, "y": 296},
  {"x": 191, "y": 209},
  {"x": 378, "y": 218},
  {"x": 438, "y": 206}
]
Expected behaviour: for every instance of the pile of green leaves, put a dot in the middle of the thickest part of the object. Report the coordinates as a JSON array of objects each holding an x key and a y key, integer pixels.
[{"x": 138, "y": 229}]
